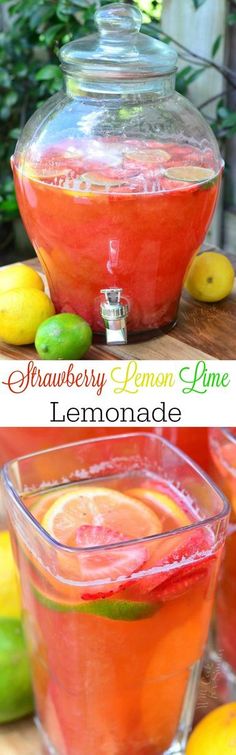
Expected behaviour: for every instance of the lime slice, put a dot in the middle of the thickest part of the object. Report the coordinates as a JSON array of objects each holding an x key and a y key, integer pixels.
[
  {"x": 101, "y": 180},
  {"x": 118, "y": 610},
  {"x": 148, "y": 156},
  {"x": 191, "y": 174}
]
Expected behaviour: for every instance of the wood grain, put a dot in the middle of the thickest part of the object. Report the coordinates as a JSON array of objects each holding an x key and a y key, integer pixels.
[
  {"x": 20, "y": 739},
  {"x": 203, "y": 331}
]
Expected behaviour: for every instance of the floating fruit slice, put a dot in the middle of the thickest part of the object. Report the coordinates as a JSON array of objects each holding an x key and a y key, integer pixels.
[
  {"x": 161, "y": 502},
  {"x": 42, "y": 170},
  {"x": 93, "y": 505},
  {"x": 104, "y": 563},
  {"x": 101, "y": 180},
  {"x": 148, "y": 156},
  {"x": 190, "y": 174},
  {"x": 186, "y": 556},
  {"x": 117, "y": 610},
  {"x": 40, "y": 503},
  {"x": 182, "y": 580}
]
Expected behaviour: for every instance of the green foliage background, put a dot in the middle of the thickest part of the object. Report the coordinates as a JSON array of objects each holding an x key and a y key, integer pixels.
[
  {"x": 29, "y": 71},
  {"x": 30, "y": 38}
]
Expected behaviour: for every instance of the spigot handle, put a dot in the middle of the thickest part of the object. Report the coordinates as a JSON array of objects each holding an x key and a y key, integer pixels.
[
  {"x": 112, "y": 295},
  {"x": 114, "y": 313}
]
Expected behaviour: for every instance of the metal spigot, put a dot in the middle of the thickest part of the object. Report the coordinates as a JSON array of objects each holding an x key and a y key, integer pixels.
[{"x": 114, "y": 313}]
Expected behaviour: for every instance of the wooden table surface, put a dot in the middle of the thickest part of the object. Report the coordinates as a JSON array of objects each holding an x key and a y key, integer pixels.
[
  {"x": 203, "y": 331},
  {"x": 20, "y": 738}
]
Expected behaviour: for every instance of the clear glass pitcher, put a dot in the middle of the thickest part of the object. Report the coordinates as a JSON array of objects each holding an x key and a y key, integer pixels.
[
  {"x": 118, "y": 543},
  {"x": 117, "y": 179}
]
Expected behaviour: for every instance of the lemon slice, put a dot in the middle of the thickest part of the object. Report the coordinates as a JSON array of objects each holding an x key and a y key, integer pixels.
[
  {"x": 99, "y": 507},
  {"x": 161, "y": 502},
  {"x": 38, "y": 504},
  {"x": 190, "y": 174}
]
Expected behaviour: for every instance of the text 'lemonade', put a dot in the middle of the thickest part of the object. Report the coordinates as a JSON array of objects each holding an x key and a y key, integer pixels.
[
  {"x": 117, "y": 601},
  {"x": 109, "y": 213}
]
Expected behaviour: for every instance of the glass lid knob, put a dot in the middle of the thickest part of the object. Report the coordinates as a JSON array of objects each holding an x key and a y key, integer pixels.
[
  {"x": 119, "y": 51},
  {"x": 116, "y": 20}
]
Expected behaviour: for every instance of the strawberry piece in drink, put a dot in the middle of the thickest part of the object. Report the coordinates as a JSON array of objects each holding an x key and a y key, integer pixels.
[{"x": 113, "y": 565}]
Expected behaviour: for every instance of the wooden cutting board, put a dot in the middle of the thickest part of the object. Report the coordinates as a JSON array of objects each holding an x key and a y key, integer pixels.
[
  {"x": 203, "y": 331},
  {"x": 20, "y": 739}
]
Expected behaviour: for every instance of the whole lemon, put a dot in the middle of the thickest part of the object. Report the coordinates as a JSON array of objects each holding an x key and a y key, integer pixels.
[
  {"x": 215, "y": 734},
  {"x": 21, "y": 313},
  {"x": 16, "y": 698},
  {"x": 64, "y": 336},
  {"x": 9, "y": 585},
  {"x": 210, "y": 277},
  {"x": 19, "y": 276}
]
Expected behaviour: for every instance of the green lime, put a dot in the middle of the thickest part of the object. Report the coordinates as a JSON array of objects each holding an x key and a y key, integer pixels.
[
  {"x": 16, "y": 699},
  {"x": 118, "y": 610},
  {"x": 64, "y": 336}
]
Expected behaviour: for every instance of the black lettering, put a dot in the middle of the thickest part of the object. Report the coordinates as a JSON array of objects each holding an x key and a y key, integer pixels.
[
  {"x": 159, "y": 413},
  {"x": 91, "y": 412},
  {"x": 127, "y": 410},
  {"x": 54, "y": 418},
  {"x": 73, "y": 414},
  {"x": 174, "y": 414},
  {"x": 112, "y": 409}
]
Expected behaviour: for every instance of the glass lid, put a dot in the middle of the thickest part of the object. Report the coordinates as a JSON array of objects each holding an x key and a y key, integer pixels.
[{"x": 119, "y": 50}]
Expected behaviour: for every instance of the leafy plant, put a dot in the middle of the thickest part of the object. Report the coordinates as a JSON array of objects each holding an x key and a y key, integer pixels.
[
  {"x": 224, "y": 120},
  {"x": 29, "y": 41}
]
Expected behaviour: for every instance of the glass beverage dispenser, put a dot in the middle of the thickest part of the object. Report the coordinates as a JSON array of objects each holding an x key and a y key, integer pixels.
[{"x": 117, "y": 178}]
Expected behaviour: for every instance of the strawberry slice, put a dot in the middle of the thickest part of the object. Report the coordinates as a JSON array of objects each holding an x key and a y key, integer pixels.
[
  {"x": 183, "y": 580},
  {"x": 193, "y": 545},
  {"x": 110, "y": 567}
]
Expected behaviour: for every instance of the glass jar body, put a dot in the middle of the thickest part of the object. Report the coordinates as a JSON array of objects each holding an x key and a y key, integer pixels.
[{"x": 117, "y": 191}]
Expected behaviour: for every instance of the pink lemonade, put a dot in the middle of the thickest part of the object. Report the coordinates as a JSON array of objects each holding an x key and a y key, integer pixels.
[
  {"x": 107, "y": 213},
  {"x": 116, "y": 628},
  {"x": 223, "y": 449},
  {"x": 16, "y": 441},
  {"x": 194, "y": 442}
]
